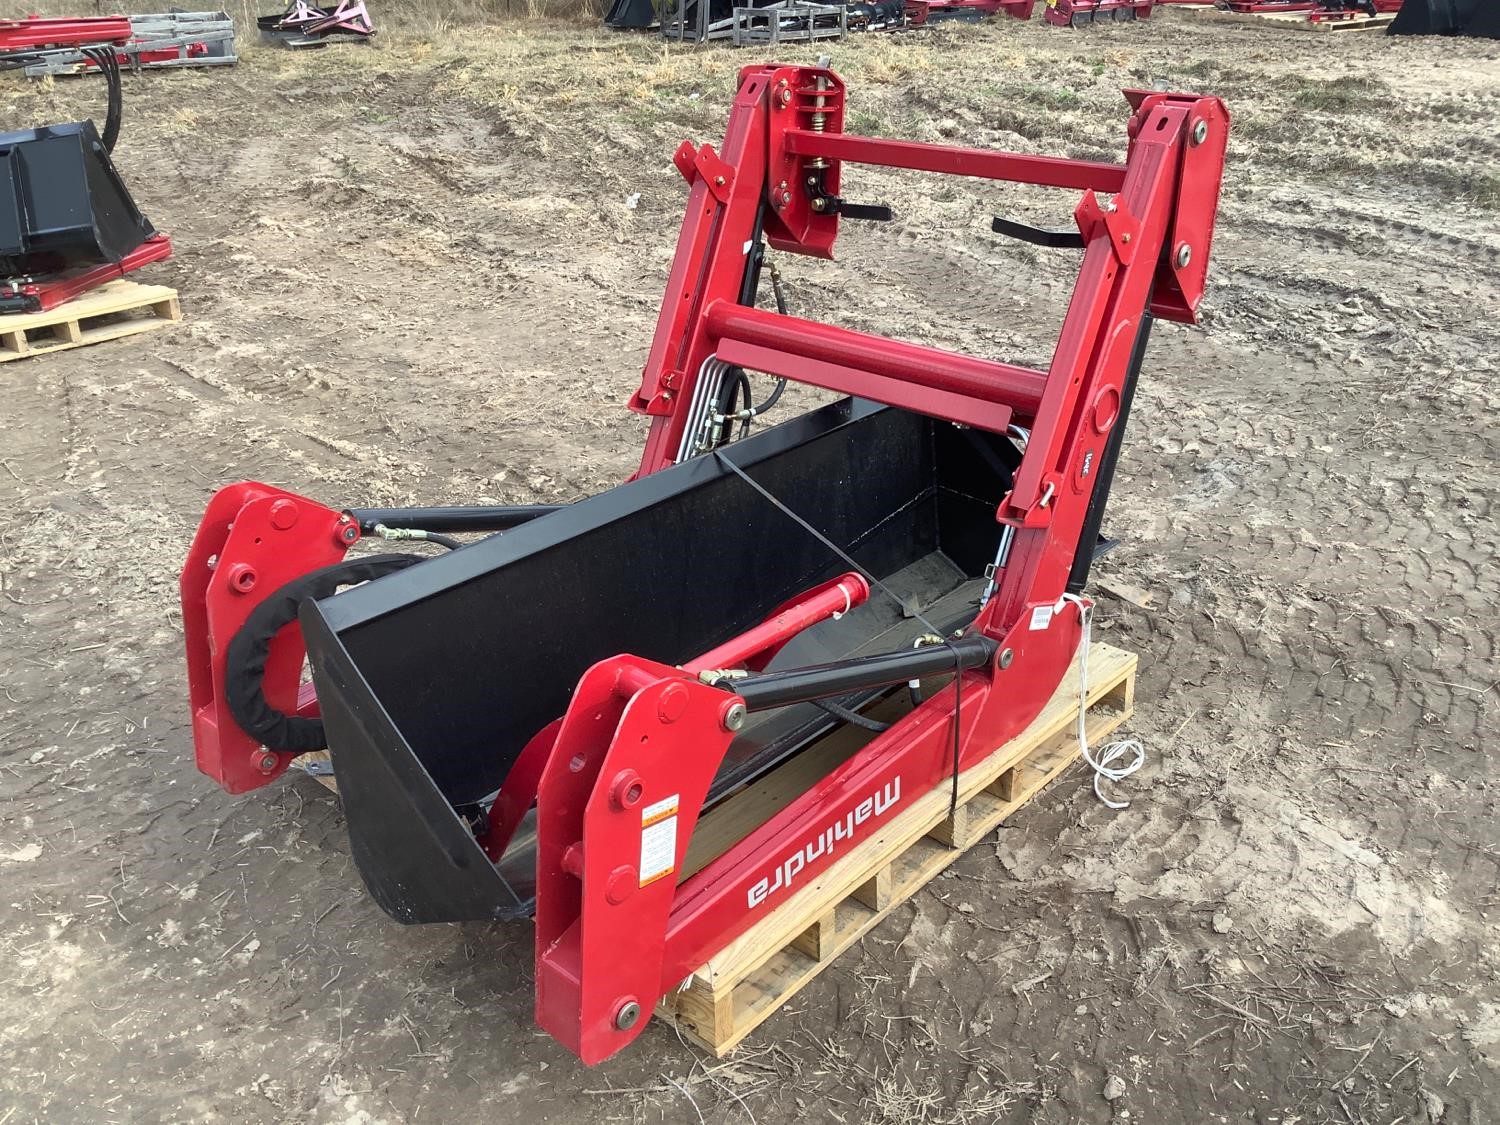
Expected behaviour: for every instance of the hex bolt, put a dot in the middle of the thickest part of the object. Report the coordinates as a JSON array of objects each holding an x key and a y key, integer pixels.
[
  {"x": 719, "y": 180},
  {"x": 1200, "y": 132},
  {"x": 626, "y": 1015},
  {"x": 268, "y": 762},
  {"x": 284, "y": 514},
  {"x": 1006, "y": 656},
  {"x": 733, "y": 716},
  {"x": 1184, "y": 255}
]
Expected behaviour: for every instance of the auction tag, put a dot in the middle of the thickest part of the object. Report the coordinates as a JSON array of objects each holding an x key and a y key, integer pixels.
[
  {"x": 659, "y": 839},
  {"x": 1041, "y": 617}
]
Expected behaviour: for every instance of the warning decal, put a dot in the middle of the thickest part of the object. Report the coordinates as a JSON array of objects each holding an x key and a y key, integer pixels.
[{"x": 659, "y": 839}]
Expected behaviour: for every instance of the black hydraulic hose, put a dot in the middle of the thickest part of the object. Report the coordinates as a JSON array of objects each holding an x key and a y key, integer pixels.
[
  {"x": 776, "y": 391},
  {"x": 844, "y": 714},
  {"x": 768, "y": 690},
  {"x": 109, "y": 65},
  {"x": 495, "y": 517},
  {"x": 442, "y": 540}
]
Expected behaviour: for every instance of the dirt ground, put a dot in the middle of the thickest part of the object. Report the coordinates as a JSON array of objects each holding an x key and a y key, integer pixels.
[{"x": 414, "y": 273}]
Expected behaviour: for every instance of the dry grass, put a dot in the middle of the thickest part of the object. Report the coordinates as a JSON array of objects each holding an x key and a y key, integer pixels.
[{"x": 553, "y": 81}]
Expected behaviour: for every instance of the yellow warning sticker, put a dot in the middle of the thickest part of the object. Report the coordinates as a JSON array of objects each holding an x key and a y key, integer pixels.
[{"x": 659, "y": 839}]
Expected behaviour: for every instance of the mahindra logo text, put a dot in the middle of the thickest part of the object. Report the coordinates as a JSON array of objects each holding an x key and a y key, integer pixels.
[{"x": 875, "y": 805}]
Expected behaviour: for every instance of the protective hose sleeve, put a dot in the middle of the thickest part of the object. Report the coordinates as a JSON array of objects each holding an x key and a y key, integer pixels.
[{"x": 245, "y": 660}]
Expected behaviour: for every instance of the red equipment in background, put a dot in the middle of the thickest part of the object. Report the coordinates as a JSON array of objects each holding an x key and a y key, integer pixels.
[
  {"x": 618, "y": 776},
  {"x": 1080, "y": 13},
  {"x": 1337, "y": 11},
  {"x": 29, "y": 294},
  {"x": 36, "y": 34},
  {"x": 1262, "y": 7},
  {"x": 919, "y": 12},
  {"x": 304, "y": 25}
]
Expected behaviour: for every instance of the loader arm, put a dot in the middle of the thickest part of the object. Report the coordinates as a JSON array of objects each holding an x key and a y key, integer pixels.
[{"x": 1145, "y": 252}]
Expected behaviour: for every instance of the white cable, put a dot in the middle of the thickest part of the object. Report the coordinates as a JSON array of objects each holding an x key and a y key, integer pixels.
[{"x": 1103, "y": 768}]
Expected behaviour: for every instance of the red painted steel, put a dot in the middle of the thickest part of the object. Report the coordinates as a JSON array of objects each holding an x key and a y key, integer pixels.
[
  {"x": 750, "y": 649},
  {"x": 1014, "y": 167},
  {"x": 252, "y": 540},
  {"x": 35, "y": 33},
  {"x": 1168, "y": 189},
  {"x": 620, "y": 779},
  {"x": 1071, "y": 13},
  {"x": 1259, "y": 7},
  {"x": 760, "y": 643},
  {"x": 783, "y": 340},
  {"x": 919, "y": 12},
  {"x": 50, "y": 293}
]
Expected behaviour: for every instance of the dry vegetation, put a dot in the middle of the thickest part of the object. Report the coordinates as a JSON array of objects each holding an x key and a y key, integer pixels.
[{"x": 412, "y": 273}]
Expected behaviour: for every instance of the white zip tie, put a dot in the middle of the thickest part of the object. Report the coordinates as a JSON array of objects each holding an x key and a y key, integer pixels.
[
  {"x": 848, "y": 602},
  {"x": 1103, "y": 768}
]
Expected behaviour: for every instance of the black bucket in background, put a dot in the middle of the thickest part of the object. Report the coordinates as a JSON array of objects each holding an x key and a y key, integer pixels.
[
  {"x": 432, "y": 680},
  {"x": 62, "y": 204}
]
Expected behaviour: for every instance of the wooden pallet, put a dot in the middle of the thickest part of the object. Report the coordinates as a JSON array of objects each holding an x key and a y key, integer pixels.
[
  {"x": 751, "y": 978},
  {"x": 1295, "y": 21},
  {"x": 106, "y": 313},
  {"x": 321, "y": 768}
]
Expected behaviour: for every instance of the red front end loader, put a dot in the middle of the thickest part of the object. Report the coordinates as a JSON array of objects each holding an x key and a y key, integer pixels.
[{"x": 533, "y": 723}]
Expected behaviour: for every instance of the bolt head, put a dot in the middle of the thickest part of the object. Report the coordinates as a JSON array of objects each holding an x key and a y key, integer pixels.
[
  {"x": 1006, "y": 656},
  {"x": 733, "y": 716},
  {"x": 623, "y": 882},
  {"x": 347, "y": 535},
  {"x": 284, "y": 514},
  {"x": 1184, "y": 255},
  {"x": 627, "y": 1014},
  {"x": 1200, "y": 132},
  {"x": 268, "y": 762},
  {"x": 672, "y": 703},
  {"x": 719, "y": 180}
]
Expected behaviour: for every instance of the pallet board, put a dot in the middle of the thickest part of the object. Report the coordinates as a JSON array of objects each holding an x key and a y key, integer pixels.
[
  {"x": 751, "y": 978},
  {"x": 120, "y": 308},
  {"x": 1295, "y": 21}
]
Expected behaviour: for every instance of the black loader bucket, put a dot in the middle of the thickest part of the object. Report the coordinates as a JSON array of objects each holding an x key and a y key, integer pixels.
[
  {"x": 1479, "y": 18},
  {"x": 62, "y": 204},
  {"x": 433, "y": 679}
]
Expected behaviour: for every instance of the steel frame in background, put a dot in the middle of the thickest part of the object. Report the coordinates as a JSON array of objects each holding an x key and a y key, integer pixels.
[
  {"x": 1080, "y": 13},
  {"x": 27, "y": 295},
  {"x": 641, "y": 736},
  {"x": 921, "y": 12},
  {"x": 157, "y": 41}
]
